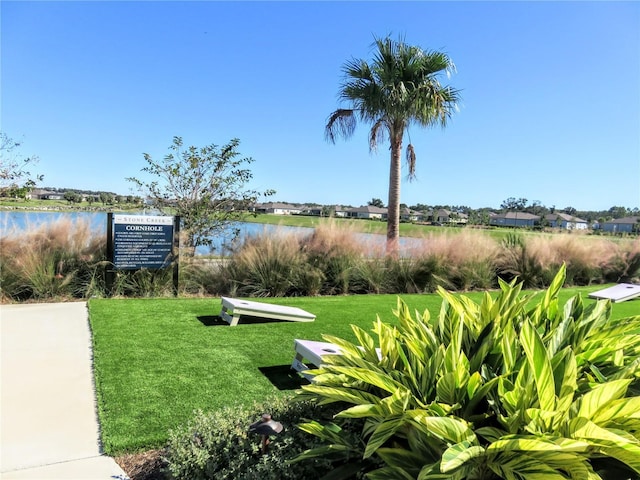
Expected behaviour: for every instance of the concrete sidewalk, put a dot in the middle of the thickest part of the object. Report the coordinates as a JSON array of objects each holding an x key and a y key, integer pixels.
[{"x": 49, "y": 426}]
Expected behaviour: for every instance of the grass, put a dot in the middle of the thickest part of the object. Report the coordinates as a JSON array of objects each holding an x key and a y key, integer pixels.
[
  {"x": 406, "y": 229},
  {"x": 158, "y": 360},
  {"x": 358, "y": 225}
]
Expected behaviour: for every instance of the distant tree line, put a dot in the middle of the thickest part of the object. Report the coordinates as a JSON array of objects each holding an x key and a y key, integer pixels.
[
  {"x": 535, "y": 207},
  {"x": 77, "y": 190},
  {"x": 91, "y": 196}
]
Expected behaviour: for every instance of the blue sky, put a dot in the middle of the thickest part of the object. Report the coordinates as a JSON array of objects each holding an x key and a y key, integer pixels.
[{"x": 550, "y": 105}]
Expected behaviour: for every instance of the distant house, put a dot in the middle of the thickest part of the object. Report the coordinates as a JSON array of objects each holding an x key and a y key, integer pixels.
[
  {"x": 445, "y": 216},
  {"x": 314, "y": 210},
  {"x": 409, "y": 215},
  {"x": 341, "y": 211},
  {"x": 566, "y": 221},
  {"x": 40, "y": 194},
  {"x": 621, "y": 225},
  {"x": 278, "y": 208},
  {"x": 369, "y": 212},
  {"x": 514, "y": 219}
]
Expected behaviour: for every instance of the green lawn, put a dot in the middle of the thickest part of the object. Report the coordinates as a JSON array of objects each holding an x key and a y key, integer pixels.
[{"x": 157, "y": 360}]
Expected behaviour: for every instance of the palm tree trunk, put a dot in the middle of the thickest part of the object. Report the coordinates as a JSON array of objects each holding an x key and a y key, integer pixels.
[{"x": 393, "y": 205}]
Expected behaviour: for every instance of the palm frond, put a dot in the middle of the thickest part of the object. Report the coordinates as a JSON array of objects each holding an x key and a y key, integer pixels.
[
  {"x": 377, "y": 135},
  {"x": 342, "y": 122},
  {"x": 411, "y": 162}
]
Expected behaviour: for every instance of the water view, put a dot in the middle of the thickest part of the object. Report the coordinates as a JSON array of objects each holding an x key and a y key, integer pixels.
[
  {"x": 17, "y": 221},
  {"x": 12, "y": 222}
]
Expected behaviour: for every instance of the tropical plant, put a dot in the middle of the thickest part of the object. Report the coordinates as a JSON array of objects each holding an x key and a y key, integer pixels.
[
  {"x": 501, "y": 389},
  {"x": 399, "y": 87}
]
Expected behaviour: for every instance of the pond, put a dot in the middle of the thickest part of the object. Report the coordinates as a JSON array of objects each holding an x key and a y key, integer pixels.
[{"x": 13, "y": 221}]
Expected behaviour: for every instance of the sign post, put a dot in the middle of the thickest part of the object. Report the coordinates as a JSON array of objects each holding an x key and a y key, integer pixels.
[{"x": 142, "y": 241}]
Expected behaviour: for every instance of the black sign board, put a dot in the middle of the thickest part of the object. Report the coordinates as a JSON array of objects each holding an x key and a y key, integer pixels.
[
  {"x": 135, "y": 242},
  {"x": 142, "y": 241}
]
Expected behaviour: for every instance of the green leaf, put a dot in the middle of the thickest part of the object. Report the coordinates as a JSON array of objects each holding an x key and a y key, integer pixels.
[
  {"x": 401, "y": 458},
  {"x": 600, "y": 396},
  {"x": 619, "y": 445},
  {"x": 446, "y": 388},
  {"x": 370, "y": 377},
  {"x": 509, "y": 347},
  {"x": 490, "y": 433},
  {"x": 474, "y": 382},
  {"x": 362, "y": 411},
  {"x": 517, "y": 465},
  {"x": 342, "y": 394},
  {"x": 389, "y": 473},
  {"x": 618, "y": 410},
  {"x": 382, "y": 433},
  {"x": 458, "y": 454},
  {"x": 322, "y": 452},
  {"x": 528, "y": 443},
  {"x": 448, "y": 429},
  {"x": 366, "y": 342},
  {"x": 540, "y": 365},
  {"x": 567, "y": 372}
]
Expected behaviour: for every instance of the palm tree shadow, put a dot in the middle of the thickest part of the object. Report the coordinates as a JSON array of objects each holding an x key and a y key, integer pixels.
[{"x": 283, "y": 377}]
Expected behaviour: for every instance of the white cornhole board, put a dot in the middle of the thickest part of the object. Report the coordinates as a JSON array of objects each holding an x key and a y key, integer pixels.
[
  {"x": 233, "y": 308},
  {"x": 313, "y": 351},
  {"x": 618, "y": 293}
]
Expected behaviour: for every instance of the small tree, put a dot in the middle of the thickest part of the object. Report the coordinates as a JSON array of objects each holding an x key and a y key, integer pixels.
[
  {"x": 13, "y": 168},
  {"x": 106, "y": 198},
  {"x": 204, "y": 185},
  {"x": 72, "y": 197},
  {"x": 375, "y": 202},
  {"x": 512, "y": 203}
]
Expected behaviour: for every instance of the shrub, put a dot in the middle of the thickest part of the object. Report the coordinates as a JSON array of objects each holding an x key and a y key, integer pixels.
[
  {"x": 267, "y": 266},
  {"x": 482, "y": 391},
  {"x": 336, "y": 252},
  {"x": 201, "y": 276},
  {"x": 143, "y": 283},
  {"x": 217, "y": 445},
  {"x": 370, "y": 276},
  {"x": 518, "y": 260},
  {"x": 49, "y": 261},
  {"x": 625, "y": 264}
]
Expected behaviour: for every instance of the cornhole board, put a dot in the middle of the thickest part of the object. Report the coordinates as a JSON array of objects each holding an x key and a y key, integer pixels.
[
  {"x": 233, "y": 308},
  {"x": 618, "y": 293},
  {"x": 313, "y": 351}
]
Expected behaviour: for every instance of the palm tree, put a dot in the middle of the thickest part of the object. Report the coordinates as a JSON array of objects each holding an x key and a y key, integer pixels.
[{"x": 399, "y": 87}]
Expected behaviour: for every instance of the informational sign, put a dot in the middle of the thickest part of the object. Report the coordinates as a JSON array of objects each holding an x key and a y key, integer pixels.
[{"x": 142, "y": 241}]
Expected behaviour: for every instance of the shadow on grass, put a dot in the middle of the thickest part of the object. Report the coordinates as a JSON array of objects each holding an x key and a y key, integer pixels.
[
  {"x": 212, "y": 321},
  {"x": 283, "y": 377},
  {"x": 217, "y": 321}
]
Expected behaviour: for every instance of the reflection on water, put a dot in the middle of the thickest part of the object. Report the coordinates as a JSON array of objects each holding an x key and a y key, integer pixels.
[{"x": 14, "y": 222}]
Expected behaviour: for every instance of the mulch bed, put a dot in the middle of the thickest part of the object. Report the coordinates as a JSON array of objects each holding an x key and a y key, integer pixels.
[{"x": 144, "y": 466}]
